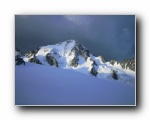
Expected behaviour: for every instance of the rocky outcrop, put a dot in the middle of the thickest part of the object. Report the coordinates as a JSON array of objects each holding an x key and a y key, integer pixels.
[
  {"x": 126, "y": 64},
  {"x": 19, "y": 61},
  {"x": 112, "y": 62},
  {"x": 28, "y": 54},
  {"x": 129, "y": 63},
  {"x": 18, "y": 55},
  {"x": 35, "y": 60},
  {"x": 74, "y": 62},
  {"x": 94, "y": 63},
  {"x": 51, "y": 60},
  {"x": 77, "y": 50},
  {"x": 114, "y": 75},
  {"x": 85, "y": 54},
  {"x": 93, "y": 71},
  {"x": 102, "y": 59},
  {"x": 18, "y": 52}
]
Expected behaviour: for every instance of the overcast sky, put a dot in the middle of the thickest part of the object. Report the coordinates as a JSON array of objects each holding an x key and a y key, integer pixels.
[{"x": 112, "y": 36}]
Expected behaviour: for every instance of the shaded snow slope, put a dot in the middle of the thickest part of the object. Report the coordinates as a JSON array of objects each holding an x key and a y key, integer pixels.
[{"x": 47, "y": 85}]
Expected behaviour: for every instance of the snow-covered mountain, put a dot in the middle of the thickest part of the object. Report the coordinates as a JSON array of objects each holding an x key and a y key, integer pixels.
[
  {"x": 68, "y": 74},
  {"x": 74, "y": 56}
]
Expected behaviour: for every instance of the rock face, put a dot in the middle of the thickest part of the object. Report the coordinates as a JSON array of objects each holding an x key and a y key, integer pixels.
[
  {"x": 112, "y": 62},
  {"x": 129, "y": 63},
  {"x": 83, "y": 51},
  {"x": 51, "y": 60},
  {"x": 126, "y": 64},
  {"x": 93, "y": 71},
  {"x": 114, "y": 75},
  {"x": 18, "y": 55},
  {"x": 77, "y": 50},
  {"x": 80, "y": 50},
  {"x": 74, "y": 62},
  {"x": 32, "y": 56},
  {"x": 19, "y": 61},
  {"x": 18, "y": 52},
  {"x": 85, "y": 54},
  {"x": 93, "y": 64},
  {"x": 28, "y": 54},
  {"x": 34, "y": 60},
  {"x": 102, "y": 58}
]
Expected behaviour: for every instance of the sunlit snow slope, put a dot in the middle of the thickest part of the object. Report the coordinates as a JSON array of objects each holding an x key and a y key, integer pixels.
[{"x": 72, "y": 55}]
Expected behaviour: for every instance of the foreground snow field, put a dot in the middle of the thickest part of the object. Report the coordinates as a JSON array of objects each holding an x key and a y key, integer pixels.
[{"x": 47, "y": 85}]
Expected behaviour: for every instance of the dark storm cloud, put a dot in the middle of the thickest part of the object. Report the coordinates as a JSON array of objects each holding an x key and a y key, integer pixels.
[{"x": 110, "y": 36}]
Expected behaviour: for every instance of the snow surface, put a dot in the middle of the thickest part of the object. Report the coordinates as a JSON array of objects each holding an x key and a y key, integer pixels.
[
  {"x": 63, "y": 53},
  {"x": 47, "y": 85}
]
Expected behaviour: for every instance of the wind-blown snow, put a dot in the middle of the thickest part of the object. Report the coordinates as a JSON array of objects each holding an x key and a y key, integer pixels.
[{"x": 46, "y": 85}]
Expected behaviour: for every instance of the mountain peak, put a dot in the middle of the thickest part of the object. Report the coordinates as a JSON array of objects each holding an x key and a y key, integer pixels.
[
  {"x": 72, "y": 40},
  {"x": 71, "y": 54},
  {"x": 69, "y": 41}
]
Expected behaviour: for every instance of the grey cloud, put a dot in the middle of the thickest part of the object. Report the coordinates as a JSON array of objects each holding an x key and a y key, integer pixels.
[{"x": 110, "y": 36}]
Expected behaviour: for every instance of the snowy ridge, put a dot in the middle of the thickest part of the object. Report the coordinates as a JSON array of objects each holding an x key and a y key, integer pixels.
[{"x": 74, "y": 56}]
